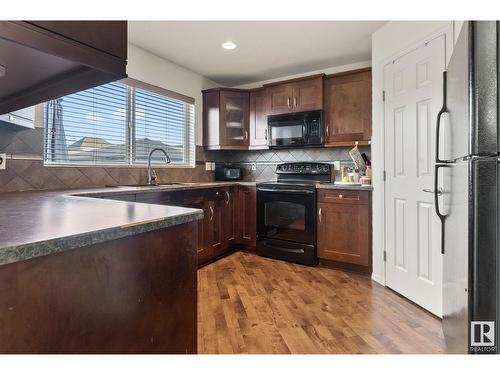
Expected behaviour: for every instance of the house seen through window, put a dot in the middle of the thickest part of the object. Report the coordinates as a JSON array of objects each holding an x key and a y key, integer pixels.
[{"x": 118, "y": 124}]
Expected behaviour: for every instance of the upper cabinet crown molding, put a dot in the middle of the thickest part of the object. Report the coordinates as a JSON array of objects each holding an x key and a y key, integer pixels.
[{"x": 44, "y": 60}]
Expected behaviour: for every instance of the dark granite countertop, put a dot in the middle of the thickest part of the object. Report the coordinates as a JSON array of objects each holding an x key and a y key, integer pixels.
[
  {"x": 39, "y": 223},
  {"x": 34, "y": 224},
  {"x": 344, "y": 187}
]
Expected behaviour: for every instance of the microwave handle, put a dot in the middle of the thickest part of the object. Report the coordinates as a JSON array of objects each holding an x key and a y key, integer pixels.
[{"x": 305, "y": 131}]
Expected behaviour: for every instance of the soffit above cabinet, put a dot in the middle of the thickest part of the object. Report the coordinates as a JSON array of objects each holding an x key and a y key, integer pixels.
[{"x": 40, "y": 64}]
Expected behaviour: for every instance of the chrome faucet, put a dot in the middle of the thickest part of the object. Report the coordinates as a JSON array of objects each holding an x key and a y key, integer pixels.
[{"x": 152, "y": 174}]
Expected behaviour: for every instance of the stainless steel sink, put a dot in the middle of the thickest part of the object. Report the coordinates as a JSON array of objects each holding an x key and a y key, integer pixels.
[{"x": 149, "y": 186}]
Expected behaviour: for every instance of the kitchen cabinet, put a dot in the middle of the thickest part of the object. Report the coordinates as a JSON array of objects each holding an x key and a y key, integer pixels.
[
  {"x": 230, "y": 216},
  {"x": 344, "y": 227},
  {"x": 226, "y": 118},
  {"x": 297, "y": 95},
  {"x": 105, "y": 36},
  {"x": 248, "y": 213},
  {"x": 214, "y": 238},
  {"x": 258, "y": 119},
  {"x": 42, "y": 60},
  {"x": 136, "y": 294},
  {"x": 348, "y": 100}
]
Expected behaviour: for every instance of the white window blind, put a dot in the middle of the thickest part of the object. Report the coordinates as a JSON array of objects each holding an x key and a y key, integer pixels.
[
  {"x": 119, "y": 124},
  {"x": 88, "y": 127},
  {"x": 162, "y": 122}
]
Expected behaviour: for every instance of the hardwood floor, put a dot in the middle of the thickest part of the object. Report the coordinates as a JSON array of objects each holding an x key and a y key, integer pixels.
[{"x": 250, "y": 304}]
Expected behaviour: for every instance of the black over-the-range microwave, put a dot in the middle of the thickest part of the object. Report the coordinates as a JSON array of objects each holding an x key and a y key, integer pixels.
[{"x": 301, "y": 129}]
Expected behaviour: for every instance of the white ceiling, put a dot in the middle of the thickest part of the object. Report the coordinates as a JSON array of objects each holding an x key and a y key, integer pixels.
[{"x": 266, "y": 49}]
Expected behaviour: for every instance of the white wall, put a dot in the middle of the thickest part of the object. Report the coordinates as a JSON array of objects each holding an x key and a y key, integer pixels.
[
  {"x": 331, "y": 70},
  {"x": 388, "y": 42},
  {"x": 147, "y": 67}
]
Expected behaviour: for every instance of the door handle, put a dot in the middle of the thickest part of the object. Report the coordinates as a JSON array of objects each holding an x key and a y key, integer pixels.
[
  {"x": 265, "y": 136},
  {"x": 228, "y": 197},
  {"x": 439, "y": 191},
  {"x": 319, "y": 214},
  {"x": 211, "y": 213},
  {"x": 327, "y": 130},
  {"x": 246, "y": 135}
]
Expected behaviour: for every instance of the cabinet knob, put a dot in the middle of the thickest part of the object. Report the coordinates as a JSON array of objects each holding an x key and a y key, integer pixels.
[{"x": 341, "y": 196}]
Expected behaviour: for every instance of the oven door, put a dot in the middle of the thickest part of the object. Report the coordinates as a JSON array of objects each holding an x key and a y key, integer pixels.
[{"x": 286, "y": 213}]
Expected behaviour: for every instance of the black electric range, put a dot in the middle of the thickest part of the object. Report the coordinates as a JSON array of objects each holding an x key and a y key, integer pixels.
[{"x": 286, "y": 212}]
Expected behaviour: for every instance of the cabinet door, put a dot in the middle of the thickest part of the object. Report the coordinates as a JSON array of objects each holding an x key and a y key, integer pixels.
[
  {"x": 343, "y": 233},
  {"x": 214, "y": 236},
  {"x": 230, "y": 216},
  {"x": 204, "y": 251},
  {"x": 279, "y": 99},
  {"x": 258, "y": 119},
  {"x": 248, "y": 210},
  {"x": 348, "y": 108},
  {"x": 308, "y": 95},
  {"x": 234, "y": 118}
]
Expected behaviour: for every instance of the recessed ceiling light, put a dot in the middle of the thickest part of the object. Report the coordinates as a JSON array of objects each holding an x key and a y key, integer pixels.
[{"x": 229, "y": 45}]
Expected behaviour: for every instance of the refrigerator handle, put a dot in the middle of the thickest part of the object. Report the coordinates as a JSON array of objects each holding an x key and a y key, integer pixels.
[
  {"x": 439, "y": 163},
  {"x": 441, "y": 216},
  {"x": 443, "y": 110}
]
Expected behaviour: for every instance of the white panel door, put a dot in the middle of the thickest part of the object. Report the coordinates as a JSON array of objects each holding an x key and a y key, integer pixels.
[{"x": 413, "y": 96}]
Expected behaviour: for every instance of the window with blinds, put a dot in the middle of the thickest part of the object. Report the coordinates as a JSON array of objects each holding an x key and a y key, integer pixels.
[{"x": 119, "y": 124}]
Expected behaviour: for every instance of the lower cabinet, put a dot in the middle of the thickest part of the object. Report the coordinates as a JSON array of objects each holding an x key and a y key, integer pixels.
[
  {"x": 214, "y": 237},
  {"x": 229, "y": 215},
  {"x": 344, "y": 227},
  {"x": 248, "y": 215}
]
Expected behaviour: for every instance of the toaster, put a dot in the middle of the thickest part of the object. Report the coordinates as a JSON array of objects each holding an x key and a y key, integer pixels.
[{"x": 223, "y": 173}]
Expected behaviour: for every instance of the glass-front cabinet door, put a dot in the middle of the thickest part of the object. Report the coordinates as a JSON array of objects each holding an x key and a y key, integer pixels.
[{"x": 234, "y": 118}]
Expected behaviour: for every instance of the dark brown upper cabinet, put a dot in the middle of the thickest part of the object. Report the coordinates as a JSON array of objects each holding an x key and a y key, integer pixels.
[
  {"x": 258, "y": 119},
  {"x": 43, "y": 60},
  {"x": 226, "y": 118},
  {"x": 348, "y": 108},
  {"x": 296, "y": 95}
]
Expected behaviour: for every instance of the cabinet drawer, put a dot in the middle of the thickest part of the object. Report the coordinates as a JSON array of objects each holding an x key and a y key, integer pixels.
[
  {"x": 343, "y": 196},
  {"x": 216, "y": 194}
]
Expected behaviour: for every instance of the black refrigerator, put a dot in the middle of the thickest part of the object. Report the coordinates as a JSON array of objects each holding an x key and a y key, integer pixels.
[{"x": 466, "y": 190}]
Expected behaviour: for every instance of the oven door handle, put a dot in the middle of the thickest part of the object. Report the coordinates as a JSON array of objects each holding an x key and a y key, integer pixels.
[
  {"x": 287, "y": 249},
  {"x": 290, "y": 191}
]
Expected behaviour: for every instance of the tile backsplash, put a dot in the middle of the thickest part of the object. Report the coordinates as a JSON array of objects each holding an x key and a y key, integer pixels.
[
  {"x": 25, "y": 169},
  {"x": 266, "y": 160}
]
